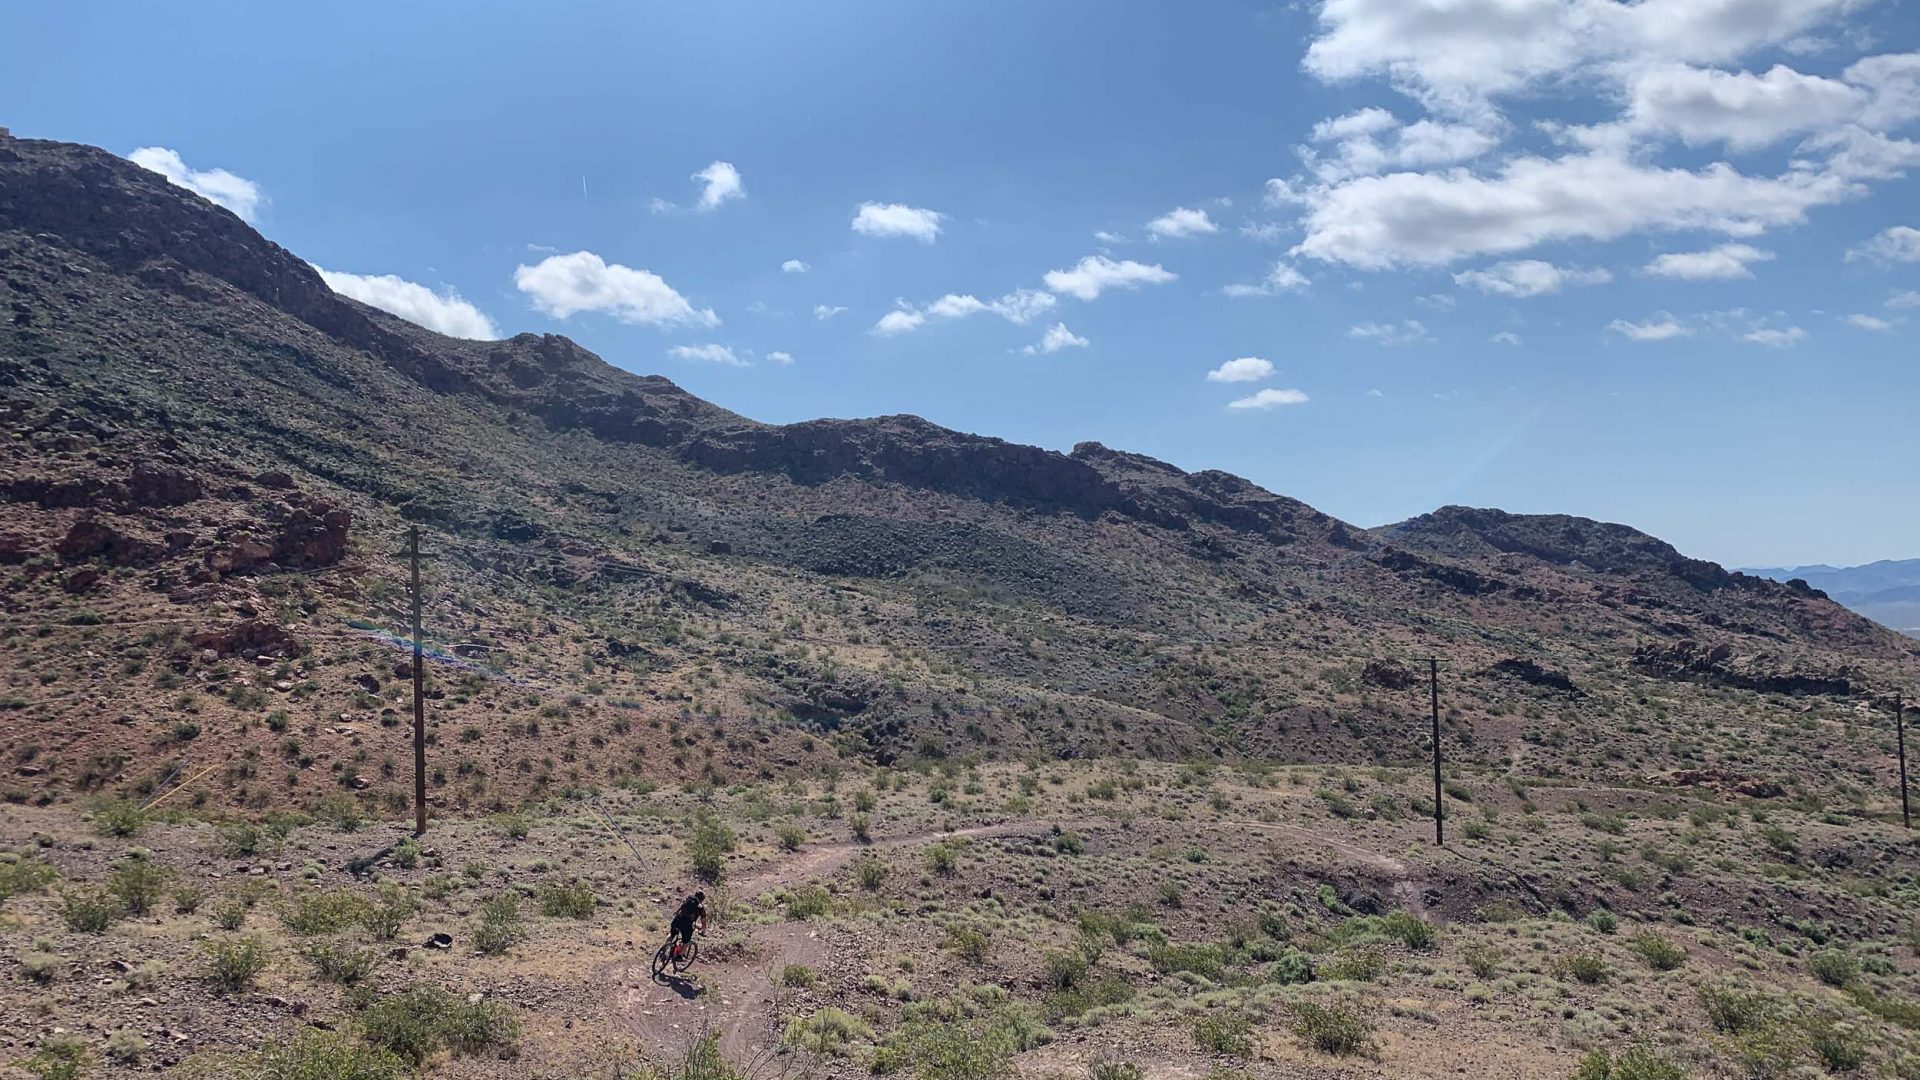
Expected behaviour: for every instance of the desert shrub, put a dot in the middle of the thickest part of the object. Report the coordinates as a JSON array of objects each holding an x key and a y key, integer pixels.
[
  {"x": 1292, "y": 966},
  {"x": 1603, "y": 921},
  {"x": 1841, "y": 1047},
  {"x": 513, "y": 826},
  {"x": 798, "y": 976},
  {"x": 322, "y": 911},
  {"x": 1481, "y": 959},
  {"x": 1085, "y": 996},
  {"x": 829, "y": 1031},
  {"x": 1660, "y": 953},
  {"x": 1409, "y": 929},
  {"x": 1732, "y": 1009},
  {"x": 985, "y": 1031},
  {"x": 419, "y": 1022},
  {"x": 708, "y": 842},
  {"x": 339, "y": 962},
  {"x": 384, "y": 919},
  {"x": 499, "y": 924},
  {"x": 137, "y": 883},
  {"x": 862, "y": 828},
  {"x": 187, "y": 898},
  {"x": 1061, "y": 970},
  {"x": 1228, "y": 1033},
  {"x": 574, "y": 900},
  {"x": 869, "y": 872},
  {"x": 790, "y": 837},
  {"x": 1586, "y": 967},
  {"x": 59, "y": 1057},
  {"x": 20, "y": 876},
  {"x": 406, "y": 854},
  {"x": 121, "y": 817},
  {"x": 244, "y": 839},
  {"x": 967, "y": 943},
  {"x": 1205, "y": 960},
  {"x": 1835, "y": 967},
  {"x": 88, "y": 911},
  {"x": 233, "y": 963},
  {"x": 809, "y": 902},
  {"x": 230, "y": 915},
  {"x": 1770, "y": 1051},
  {"x": 1068, "y": 843},
  {"x": 1359, "y": 963},
  {"x": 1634, "y": 1063},
  {"x": 1172, "y": 892},
  {"x": 942, "y": 858},
  {"x": 310, "y": 1054},
  {"x": 126, "y": 1046},
  {"x": 1332, "y": 1028},
  {"x": 40, "y": 966},
  {"x": 1114, "y": 1070}
]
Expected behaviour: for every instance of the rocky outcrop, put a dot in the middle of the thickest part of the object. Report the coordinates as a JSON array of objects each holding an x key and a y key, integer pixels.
[
  {"x": 92, "y": 537},
  {"x": 249, "y": 639},
  {"x": 1521, "y": 669},
  {"x": 1386, "y": 675},
  {"x": 1689, "y": 659}
]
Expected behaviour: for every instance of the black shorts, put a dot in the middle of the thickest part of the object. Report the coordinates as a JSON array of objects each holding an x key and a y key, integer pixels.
[{"x": 681, "y": 930}]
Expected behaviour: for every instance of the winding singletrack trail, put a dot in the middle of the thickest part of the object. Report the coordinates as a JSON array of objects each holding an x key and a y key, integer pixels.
[{"x": 736, "y": 997}]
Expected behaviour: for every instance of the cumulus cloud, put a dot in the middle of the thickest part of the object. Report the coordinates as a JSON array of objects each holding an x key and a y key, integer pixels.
[
  {"x": 236, "y": 193},
  {"x": 1506, "y": 337},
  {"x": 1405, "y": 332},
  {"x": 1903, "y": 299},
  {"x": 1270, "y": 398},
  {"x": 1106, "y": 237},
  {"x": 720, "y": 182},
  {"x": 1901, "y": 243},
  {"x": 1095, "y": 274},
  {"x": 1019, "y": 307},
  {"x": 1871, "y": 322},
  {"x": 781, "y": 358},
  {"x": 1659, "y": 328},
  {"x": 563, "y": 285},
  {"x": 1242, "y": 369},
  {"x": 1723, "y": 263},
  {"x": 1373, "y": 140},
  {"x": 897, "y": 219},
  {"x": 443, "y": 312},
  {"x": 709, "y": 353},
  {"x": 1775, "y": 337},
  {"x": 1528, "y": 277},
  {"x": 1181, "y": 222},
  {"x": 794, "y": 266},
  {"x": 823, "y": 312},
  {"x": 1056, "y": 338},
  {"x": 1282, "y": 278}
]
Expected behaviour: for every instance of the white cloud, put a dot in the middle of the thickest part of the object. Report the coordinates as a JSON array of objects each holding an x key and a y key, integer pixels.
[
  {"x": 1267, "y": 232},
  {"x": 781, "y": 358},
  {"x": 561, "y": 285},
  {"x": 1659, "y": 328},
  {"x": 1506, "y": 337},
  {"x": 443, "y": 312},
  {"x": 823, "y": 312},
  {"x": 1436, "y": 301},
  {"x": 1019, "y": 307},
  {"x": 721, "y": 182},
  {"x": 794, "y": 266},
  {"x": 236, "y": 193},
  {"x": 896, "y": 219},
  {"x": 901, "y": 321},
  {"x": 1871, "y": 322},
  {"x": 1243, "y": 369},
  {"x": 1181, "y": 222},
  {"x": 1901, "y": 243},
  {"x": 1739, "y": 108},
  {"x": 1775, "y": 338},
  {"x": 1406, "y": 332},
  {"x": 1270, "y": 398},
  {"x": 709, "y": 353},
  {"x": 1373, "y": 141},
  {"x": 1903, "y": 299},
  {"x": 1430, "y": 219},
  {"x": 1723, "y": 263},
  {"x": 1282, "y": 278},
  {"x": 1095, "y": 274},
  {"x": 1528, "y": 277},
  {"x": 1056, "y": 338},
  {"x": 1106, "y": 237}
]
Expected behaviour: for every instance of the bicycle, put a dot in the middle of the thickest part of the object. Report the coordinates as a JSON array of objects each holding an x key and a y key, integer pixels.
[{"x": 677, "y": 955}]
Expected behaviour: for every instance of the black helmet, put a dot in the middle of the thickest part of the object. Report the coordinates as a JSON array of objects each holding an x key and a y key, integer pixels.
[{"x": 699, "y": 896}]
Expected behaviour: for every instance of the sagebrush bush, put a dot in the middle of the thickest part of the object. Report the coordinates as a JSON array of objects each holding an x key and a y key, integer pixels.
[
  {"x": 574, "y": 900},
  {"x": 339, "y": 962},
  {"x": 1660, "y": 953},
  {"x": 830, "y": 1031},
  {"x": 499, "y": 924},
  {"x": 233, "y": 963},
  {"x": 88, "y": 911},
  {"x": 419, "y": 1022},
  {"x": 1332, "y": 1028},
  {"x": 1835, "y": 967},
  {"x": 1228, "y": 1033},
  {"x": 138, "y": 883}
]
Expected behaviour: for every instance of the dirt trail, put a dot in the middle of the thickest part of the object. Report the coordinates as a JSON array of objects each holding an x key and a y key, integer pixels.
[{"x": 736, "y": 997}]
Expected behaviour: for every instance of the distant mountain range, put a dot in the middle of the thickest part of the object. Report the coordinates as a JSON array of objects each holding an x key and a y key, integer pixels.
[{"x": 1888, "y": 591}]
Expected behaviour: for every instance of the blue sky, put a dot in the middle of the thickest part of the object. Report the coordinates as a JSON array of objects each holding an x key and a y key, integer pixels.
[{"x": 1654, "y": 263}]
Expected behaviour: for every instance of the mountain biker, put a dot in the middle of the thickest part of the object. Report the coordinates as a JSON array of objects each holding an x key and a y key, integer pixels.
[{"x": 692, "y": 910}]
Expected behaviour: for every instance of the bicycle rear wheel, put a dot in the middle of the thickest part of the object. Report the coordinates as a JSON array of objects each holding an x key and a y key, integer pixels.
[{"x": 662, "y": 957}]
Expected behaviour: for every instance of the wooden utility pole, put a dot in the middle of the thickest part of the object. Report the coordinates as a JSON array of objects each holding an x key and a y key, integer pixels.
[
  {"x": 1900, "y": 734},
  {"x": 1433, "y": 683},
  {"x": 419, "y": 696}
]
